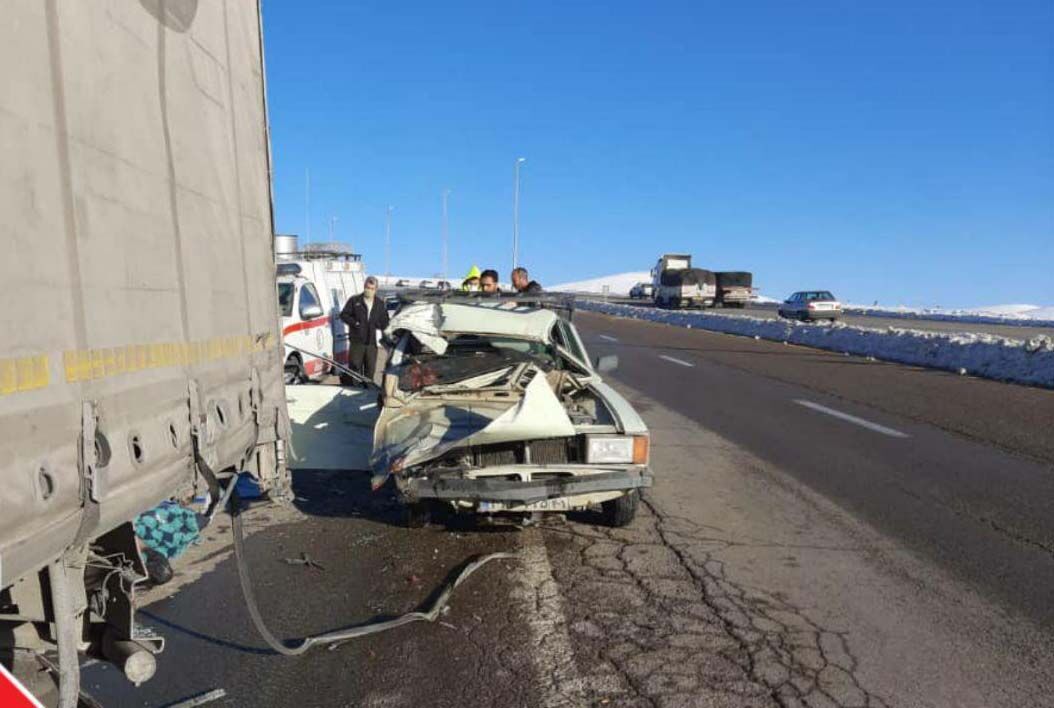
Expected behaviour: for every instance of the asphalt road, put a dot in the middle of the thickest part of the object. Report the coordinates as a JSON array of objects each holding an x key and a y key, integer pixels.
[
  {"x": 768, "y": 311},
  {"x": 823, "y": 531}
]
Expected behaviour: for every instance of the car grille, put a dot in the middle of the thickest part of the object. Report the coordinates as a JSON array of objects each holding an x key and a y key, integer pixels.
[{"x": 553, "y": 451}]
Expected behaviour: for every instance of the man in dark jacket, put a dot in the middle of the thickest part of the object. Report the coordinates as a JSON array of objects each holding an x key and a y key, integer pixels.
[
  {"x": 366, "y": 317},
  {"x": 522, "y": 284}
]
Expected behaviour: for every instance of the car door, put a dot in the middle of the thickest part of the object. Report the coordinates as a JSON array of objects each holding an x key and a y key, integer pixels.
[{"x": 315, "y": 335}]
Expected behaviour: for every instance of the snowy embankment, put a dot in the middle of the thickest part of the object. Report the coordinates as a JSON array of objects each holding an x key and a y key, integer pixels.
[
  {"x": 1019, "y": 361},
  {"x": 1014, "y": 315}
]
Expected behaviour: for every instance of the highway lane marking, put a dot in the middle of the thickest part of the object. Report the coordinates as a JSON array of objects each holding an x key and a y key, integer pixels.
[
  {"x": 676, "y": 361},
  {"x": 610, "y": 339},
  {"x": 543, "y": 607},
  {"x": 852, "y": 419}
]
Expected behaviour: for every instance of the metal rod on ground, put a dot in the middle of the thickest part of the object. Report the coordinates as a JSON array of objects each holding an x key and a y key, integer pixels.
[
  {"x": 350, "y": 372},
  {"x": 200, "y": 699}
]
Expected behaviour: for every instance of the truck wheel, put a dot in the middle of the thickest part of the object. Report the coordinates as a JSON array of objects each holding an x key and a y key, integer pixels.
[
  {"x": 294, "y": 370},
  {"x": 620, "y": 512}
]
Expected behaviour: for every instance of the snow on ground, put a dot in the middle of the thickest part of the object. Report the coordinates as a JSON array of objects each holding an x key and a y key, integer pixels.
[
  {"x": 618, "y": 284},
  {"x": 988, "y": 356},
  {"x": 1020, "y": 315}
]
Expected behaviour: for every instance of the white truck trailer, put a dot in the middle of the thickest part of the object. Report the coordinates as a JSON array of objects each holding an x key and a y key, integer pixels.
[
  {"x": 141, "y": 355},
  {"x": 677, "y": 284}
]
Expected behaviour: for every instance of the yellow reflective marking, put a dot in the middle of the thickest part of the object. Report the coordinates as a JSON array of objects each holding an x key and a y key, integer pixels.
[{"x": 24, "y": 374}]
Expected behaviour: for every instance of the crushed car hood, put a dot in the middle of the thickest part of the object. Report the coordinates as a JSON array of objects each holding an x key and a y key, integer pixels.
[{"x": 429, "y": 426}]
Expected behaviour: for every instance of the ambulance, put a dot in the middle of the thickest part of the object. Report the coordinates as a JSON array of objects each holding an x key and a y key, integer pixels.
[{"x": 313, "y": 285}]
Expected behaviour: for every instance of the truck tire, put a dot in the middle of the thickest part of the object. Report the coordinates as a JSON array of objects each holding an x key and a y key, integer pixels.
[{"x": 620, "y": 512}]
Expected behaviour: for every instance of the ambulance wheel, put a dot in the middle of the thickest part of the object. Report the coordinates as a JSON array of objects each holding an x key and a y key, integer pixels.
[{"x": 294, "y": 370}]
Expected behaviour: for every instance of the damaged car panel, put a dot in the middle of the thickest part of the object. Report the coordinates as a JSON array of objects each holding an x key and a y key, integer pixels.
[{"x": 492, "y": 406}]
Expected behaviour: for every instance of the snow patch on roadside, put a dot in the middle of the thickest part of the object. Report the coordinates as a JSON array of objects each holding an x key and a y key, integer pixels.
[
  {"x": 988, "y": 356},
  {"x": 1015, "y": 315}
]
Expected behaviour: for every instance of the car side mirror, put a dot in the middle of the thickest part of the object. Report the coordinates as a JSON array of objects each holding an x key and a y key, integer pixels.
[
  {"x": 606, "y": 363},
  {"x": 311, "y": 312}
]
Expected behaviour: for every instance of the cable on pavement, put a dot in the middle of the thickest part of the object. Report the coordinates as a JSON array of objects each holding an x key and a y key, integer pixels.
[{"x": 342, "y": 635}]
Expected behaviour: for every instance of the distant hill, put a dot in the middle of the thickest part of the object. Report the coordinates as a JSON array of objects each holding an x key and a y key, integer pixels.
[{"x": 618, "y": 284}]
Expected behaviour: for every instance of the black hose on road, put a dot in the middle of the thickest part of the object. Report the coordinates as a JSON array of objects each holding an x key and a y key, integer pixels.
[{"x": 342, "y": 635}]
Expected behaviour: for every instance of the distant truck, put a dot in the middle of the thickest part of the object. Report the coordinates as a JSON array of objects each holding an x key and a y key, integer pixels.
[
  {"x": 734, "y": 288},
  {"x": 313, "y": 284},
  {"x": 141, "y": 357},
  {"x": 677, "y": 284}
]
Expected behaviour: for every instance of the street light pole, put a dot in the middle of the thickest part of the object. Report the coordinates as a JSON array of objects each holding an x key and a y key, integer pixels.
[
  {"x": 516, "y": 211},
  {"x": 446, "y": 232},
  {"x": 307, "y": 204},
  {"x": 388, "y": 243}
]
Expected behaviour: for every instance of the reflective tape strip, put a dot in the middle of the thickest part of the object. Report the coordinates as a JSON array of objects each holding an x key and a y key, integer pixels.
[
  {"x": 33, "y": 372},
  {"x": 24, "y": 374}
]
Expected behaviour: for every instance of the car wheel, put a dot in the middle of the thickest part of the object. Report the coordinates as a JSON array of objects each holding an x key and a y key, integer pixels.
[
  {"x": 620, "y": 512},
  {"x": 416, "y": 515}
]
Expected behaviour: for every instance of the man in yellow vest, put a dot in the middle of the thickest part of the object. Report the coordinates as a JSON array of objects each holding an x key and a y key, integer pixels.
[{"x": 471, "y": 281}]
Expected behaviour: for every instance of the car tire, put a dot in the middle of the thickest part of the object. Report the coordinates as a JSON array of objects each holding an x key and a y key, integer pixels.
[
  {"x": 416, "y": 515},
  {"x": 620, "y": 512}
]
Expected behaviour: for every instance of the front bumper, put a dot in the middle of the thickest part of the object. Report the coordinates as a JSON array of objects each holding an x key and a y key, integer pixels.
[{"x": 535, "y": 484}]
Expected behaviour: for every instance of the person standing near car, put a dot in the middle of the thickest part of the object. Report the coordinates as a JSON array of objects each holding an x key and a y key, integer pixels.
[
  {"x": 522, "y": 283},
  {"x": 488, "y": 282},
  {"x": 366, "y": 318}
]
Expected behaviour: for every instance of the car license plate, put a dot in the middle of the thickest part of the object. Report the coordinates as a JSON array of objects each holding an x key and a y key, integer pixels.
[{"x": 543, "y": 505}]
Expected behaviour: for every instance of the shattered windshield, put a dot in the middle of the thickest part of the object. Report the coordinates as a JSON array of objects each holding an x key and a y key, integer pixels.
[{"x": 468, "y": 356}]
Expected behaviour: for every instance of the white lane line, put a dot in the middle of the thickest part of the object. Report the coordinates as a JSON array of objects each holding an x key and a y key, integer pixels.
[
  {"x": 676, "y": 361},
  {"x": 852, "y": 419},
  {"x": 610, "y": 339},
  {"x": 551, "y": 652}
]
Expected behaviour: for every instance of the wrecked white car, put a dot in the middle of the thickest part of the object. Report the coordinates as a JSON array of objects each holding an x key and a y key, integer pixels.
[{"x": 493, "y": 406}]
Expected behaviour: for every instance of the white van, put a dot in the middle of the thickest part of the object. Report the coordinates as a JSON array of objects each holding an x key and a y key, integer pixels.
[{"x": 313, "y": 286}]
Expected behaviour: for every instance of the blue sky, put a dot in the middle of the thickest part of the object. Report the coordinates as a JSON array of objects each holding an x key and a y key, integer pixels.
[{"x": 896, "y": 151}]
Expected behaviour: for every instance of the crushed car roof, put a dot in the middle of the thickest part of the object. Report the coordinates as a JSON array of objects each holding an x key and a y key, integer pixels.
[{"x": 499, "y": 317}]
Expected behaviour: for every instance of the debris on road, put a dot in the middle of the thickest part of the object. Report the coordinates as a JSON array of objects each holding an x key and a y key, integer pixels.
[
  {"x": 200, "y": 699},
  {"x": 304, "y": 560}
]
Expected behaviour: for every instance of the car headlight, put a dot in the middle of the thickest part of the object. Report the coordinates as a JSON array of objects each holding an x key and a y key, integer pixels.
[
  {"x": 609, "y": 449},
  {"x": 617, "y": 449}
]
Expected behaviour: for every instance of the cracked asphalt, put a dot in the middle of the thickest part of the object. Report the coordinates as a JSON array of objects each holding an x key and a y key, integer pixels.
[{"x": 784, "y": 558}]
